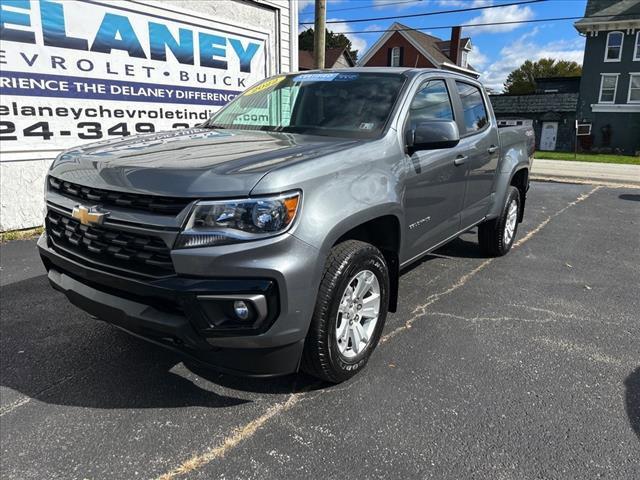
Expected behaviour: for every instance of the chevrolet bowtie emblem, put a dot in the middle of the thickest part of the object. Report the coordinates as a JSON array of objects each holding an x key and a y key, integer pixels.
[{"x": 88, "y": 215}]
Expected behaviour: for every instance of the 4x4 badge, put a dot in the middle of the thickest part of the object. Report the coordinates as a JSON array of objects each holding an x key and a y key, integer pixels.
[{"x": 89, "y": 215}]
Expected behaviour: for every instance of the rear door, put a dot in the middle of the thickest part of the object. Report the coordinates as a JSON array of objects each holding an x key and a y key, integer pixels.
[
  {"x": 434, "y": 185},
  {"x": 478, "y": 148}
]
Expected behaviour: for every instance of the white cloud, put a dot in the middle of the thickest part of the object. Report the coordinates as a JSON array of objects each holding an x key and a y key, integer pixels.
[
  {"x": 357, "y": 42},
  {"x": 477, "y": 59},
  {"x": 515, "y": 54},
  {"x": 375, "y": 28},
  {"x": 465, "y": 3},
  {"x": 310, "y": 5},
  {"x": 397, "y": 4},
  {"x": 305, "y": 4},
  {"x": 512, "y": 13}
]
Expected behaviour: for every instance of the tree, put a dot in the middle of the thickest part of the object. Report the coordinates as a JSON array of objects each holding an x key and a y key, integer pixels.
[
  {"x": 333, "y": 40},
  {"x": 523, "y": 79}
]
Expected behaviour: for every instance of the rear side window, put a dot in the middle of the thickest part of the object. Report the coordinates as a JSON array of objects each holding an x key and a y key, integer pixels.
[
  {"x": 475, "y": 114},
  {"x": 431, "y": 102}
]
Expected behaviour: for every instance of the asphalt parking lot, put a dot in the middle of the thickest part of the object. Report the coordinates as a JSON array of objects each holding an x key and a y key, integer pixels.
[{"x": 522, "y": 367}]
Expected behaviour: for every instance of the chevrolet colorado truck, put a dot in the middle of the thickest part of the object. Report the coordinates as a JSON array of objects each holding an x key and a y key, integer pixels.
[{"x": 271, "y": 238}]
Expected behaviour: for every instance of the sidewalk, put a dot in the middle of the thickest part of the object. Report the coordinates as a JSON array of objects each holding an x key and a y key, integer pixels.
[{"x": 586, "y": 172}]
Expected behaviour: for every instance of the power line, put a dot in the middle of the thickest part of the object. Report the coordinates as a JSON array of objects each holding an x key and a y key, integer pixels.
[
  {"x": 369, "y": 7},
  {"x": 427, "y": 14},
  {"x": 442, "y": 27}
]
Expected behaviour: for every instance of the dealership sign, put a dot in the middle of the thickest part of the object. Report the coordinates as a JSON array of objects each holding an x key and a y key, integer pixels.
[{"x": 81, "y": 70}]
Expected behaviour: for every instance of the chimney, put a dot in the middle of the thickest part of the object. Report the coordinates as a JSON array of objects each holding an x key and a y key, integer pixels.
[{"x": 454, "y": 45}]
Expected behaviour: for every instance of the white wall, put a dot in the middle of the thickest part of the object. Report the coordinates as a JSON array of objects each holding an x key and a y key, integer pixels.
[{"x": 22, "y": 173}]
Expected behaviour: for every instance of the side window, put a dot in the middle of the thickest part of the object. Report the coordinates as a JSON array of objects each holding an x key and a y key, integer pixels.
[
  {"x": 431, "y": 102},
  {"x": 475, "y": 113}
]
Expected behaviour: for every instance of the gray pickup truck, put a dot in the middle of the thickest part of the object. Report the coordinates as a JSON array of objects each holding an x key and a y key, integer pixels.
[{"x": 270, "y": 238}]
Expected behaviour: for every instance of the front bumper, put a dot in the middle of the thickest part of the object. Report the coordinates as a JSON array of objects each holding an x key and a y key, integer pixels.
[{"x": 165, "y": 310}]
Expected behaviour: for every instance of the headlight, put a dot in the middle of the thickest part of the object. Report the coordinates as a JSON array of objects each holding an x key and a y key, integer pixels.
[{"x": 233, "y": 221}]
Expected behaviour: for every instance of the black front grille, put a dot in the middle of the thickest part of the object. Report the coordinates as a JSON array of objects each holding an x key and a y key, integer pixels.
[
  {"x": 151, "y": 203},
  {"x": 135, "y": 253}
]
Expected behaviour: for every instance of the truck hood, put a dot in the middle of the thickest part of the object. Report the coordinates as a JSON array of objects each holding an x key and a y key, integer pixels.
[{"x": 189, "y": 163}]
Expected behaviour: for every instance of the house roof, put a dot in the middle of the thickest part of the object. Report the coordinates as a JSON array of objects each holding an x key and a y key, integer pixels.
[
  {"x": 465, "y": 43},
  {"x": 427, "y": 45},
  {"x": 617, "y": 13},
  {"x": 534, "y": 103},
  {"x": 331, "y": 55}
]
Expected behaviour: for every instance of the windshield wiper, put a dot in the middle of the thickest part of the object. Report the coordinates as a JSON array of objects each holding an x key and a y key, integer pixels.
[{"x": 213, "y": 126}]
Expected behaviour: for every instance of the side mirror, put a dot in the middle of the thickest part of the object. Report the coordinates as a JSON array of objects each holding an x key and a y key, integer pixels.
[{"x": 432, "y": 135}]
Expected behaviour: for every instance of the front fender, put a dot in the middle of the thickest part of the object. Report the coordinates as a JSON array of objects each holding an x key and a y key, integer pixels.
[{"x": 358, "y": 218}]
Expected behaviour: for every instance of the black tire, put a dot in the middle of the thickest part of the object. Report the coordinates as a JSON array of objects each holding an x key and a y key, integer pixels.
[
  {"x": 321, "y": 357},
  {"x": 491, "y": 234}
]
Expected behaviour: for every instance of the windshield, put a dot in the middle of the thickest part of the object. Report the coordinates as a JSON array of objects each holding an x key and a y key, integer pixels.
[{"x": 354, "y": 105}]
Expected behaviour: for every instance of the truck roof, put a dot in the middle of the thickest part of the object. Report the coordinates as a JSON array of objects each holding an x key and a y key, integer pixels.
[{"x": 398, "y": 70}]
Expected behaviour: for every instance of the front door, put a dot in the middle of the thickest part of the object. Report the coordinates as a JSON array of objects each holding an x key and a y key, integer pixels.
[
  {"x": 548, "y": 136},
  {"x": 434, "y": 185}
]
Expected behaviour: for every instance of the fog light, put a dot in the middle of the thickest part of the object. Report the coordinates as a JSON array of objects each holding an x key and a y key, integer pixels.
[{"x": 241, "y": 309}]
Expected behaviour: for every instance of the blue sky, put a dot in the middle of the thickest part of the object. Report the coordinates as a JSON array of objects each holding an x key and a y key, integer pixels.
[{"x": 497, "y": 49}]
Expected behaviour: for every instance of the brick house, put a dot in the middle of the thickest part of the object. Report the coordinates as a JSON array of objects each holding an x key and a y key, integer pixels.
[
  {"x": 610, "y": 86},
  {"x": 403, "y": 46}
]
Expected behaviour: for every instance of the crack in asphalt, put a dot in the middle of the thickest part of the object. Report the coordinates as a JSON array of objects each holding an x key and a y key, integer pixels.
[
  {"x": 588, "y": 352},
  {"x": 248, "y": 430},
  {"x": 421, "y": 310},
  {"x": 492, "y": 319}
]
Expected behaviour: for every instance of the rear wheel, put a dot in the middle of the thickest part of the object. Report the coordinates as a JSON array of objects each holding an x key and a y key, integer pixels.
[
  {"x": 496, "y": 236},
  {"x": 350, "y": 312}
]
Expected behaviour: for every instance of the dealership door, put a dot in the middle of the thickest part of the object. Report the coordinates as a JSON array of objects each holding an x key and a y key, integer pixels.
[{"x": 549, "y": 135}]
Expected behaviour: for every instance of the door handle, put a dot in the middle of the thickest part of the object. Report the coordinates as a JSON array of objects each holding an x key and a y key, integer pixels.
[
  {"x": 492, "y": 149},
  {"x": 460, "y": 160}
]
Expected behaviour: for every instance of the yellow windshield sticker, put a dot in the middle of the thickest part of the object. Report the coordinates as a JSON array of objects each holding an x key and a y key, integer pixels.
[{"x": 272, "y": 82}]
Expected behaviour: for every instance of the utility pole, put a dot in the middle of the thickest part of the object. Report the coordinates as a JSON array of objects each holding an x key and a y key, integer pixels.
[{"x": 319, "y": 33}]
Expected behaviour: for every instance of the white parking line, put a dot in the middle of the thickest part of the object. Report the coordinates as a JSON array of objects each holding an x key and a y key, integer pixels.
[{"x": 239, "y": 435}]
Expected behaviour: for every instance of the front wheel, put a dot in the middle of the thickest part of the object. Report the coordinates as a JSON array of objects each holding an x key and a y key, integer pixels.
[
  {"x": 496, "y": 236},
  {"x": 350, "y": 312}
]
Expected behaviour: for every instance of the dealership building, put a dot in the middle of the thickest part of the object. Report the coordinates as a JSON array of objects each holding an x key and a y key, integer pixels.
[{"x": 80, "y": 71}]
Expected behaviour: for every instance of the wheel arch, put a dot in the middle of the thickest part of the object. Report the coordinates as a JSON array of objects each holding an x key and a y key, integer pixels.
[
  {"x": 505, "y": 179},
  {"x": 382, "y": 229},
  {"x": 520, "y": 180}
]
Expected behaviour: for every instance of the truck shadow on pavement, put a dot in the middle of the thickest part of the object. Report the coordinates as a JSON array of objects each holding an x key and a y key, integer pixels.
[
  {"x": 630, "y": 196},
  {"x": 465, "y": 246},
  {"x": 632, "y": 400},
  {"x": 55, "y": 353}
]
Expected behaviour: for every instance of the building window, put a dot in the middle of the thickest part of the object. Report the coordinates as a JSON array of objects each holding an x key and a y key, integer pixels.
[
  {"x": 608, "y": 87},
  {"x": 395, "y": 57},
  {"x": 613, "y": 51},
  {"x": 634, "y": 88},
  {"x": 636, "y": 50},
  {"x": 465, "y": 59}
]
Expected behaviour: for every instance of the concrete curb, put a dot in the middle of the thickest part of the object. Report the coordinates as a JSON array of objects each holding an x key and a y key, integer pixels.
[
  {"x": 582, "y": 181},
  {"x": 586, "y": 172}
]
